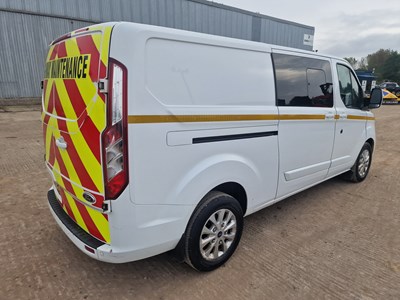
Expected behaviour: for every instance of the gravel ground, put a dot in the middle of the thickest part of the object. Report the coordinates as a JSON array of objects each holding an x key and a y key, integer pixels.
[{"x": 337, "y": 240}]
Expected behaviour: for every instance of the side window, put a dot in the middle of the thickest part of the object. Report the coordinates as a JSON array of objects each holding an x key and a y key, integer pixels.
[
  {"x": 302, "y": 81},
  {"x": 319, "y": 89},
  {"x": 350, "y": 91}
]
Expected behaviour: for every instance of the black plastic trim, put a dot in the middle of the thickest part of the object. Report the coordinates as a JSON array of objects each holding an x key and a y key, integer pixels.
[
  {"x": 82, "y": 235},
  {"x": 221, "y": 138}
]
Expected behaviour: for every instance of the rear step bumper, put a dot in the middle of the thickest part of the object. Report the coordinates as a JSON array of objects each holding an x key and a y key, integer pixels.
[
  {"x": 97, "y": 249},
  {"x": 84, "y": 241},
  {"x": 72, "y": 227}
]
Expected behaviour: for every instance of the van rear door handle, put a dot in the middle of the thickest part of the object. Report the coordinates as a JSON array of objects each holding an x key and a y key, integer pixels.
[
  {"x": 61, "y": 143},
  {"x": 329, "y": 116},
  {"x": 342, "y": 116}
]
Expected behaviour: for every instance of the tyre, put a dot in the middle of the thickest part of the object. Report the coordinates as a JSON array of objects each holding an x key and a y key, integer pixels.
[
  {"x": 213, "y": 232},
  {"x": 361, "y": 167}
]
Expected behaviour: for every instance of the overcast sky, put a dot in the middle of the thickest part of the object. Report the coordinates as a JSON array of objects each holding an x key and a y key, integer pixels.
[{"x": 342, "y": 27}]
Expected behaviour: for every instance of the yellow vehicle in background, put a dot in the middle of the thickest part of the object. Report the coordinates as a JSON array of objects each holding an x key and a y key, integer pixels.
[
  {"x": 389, "y": 98},
  {"x": 392, "y": 87}
]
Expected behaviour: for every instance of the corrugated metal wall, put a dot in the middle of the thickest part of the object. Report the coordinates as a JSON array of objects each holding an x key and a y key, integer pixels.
[
  {"x": 29, "y": 26},
  {"x": 23, "y": 47}
]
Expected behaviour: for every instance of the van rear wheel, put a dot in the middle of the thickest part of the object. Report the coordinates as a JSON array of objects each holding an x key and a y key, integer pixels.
[
  {"x": 361, "y": 167},
  {"x": 214, "y": 231}
]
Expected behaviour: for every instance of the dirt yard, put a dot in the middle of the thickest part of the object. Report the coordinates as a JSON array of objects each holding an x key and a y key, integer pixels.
[{"x": 335, "y": 241}]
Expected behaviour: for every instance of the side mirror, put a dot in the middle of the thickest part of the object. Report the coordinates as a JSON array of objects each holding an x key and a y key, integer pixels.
[{"x": 375, "y": 100}]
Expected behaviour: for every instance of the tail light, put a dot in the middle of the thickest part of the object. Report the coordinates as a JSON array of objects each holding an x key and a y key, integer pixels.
[{"x": 114, "y": 137}]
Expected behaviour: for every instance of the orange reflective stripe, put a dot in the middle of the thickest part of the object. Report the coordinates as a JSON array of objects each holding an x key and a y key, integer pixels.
[
  {"x": 301, "y": 117},
  {"x": 353, "y": 117},
  {"x": 197, "y": 118},
  {"x": 143, "y": 119},
  {"x": 140, "y": 119}
]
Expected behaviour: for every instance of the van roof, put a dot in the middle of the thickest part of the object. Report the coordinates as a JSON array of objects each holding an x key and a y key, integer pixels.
[{"x": 221, "y": 39}]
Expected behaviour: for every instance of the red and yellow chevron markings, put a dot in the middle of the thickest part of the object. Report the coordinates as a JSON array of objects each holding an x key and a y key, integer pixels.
[{"x": 74, "y": 110}]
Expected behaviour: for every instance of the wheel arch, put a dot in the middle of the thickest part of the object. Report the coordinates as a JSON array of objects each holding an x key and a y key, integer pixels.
[
  {"x": 371, "y": 142},
  {"x": 235, "y": 190}
]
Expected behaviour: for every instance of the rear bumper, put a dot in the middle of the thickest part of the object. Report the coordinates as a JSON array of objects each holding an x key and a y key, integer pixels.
[
  {"x": 84, "y": 241},
  {"x": 97, "y": 249},
  {"x": 67, "y": 222}
]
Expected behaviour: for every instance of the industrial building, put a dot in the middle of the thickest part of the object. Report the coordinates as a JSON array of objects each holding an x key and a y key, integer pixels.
[{"x": 28, "y": 27}]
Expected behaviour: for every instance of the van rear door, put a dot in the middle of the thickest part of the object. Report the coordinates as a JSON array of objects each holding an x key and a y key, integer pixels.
[{"x": 74, "y": 116}]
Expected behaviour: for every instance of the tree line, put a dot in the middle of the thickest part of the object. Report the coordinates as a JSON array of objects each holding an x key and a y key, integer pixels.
[{"x": 384, "y": 63}]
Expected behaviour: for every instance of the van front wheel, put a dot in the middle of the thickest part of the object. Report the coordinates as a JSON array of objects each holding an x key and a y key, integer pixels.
[
  {"x": 213, "y": 232},
  {"x": 361, "y": 167}
]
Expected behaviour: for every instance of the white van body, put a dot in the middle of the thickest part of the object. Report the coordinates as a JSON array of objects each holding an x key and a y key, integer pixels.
[{"x": 202, "y": 115}]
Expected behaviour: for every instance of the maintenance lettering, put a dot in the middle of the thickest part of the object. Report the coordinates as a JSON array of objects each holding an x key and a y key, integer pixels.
[{"x": 68, "y": 67}]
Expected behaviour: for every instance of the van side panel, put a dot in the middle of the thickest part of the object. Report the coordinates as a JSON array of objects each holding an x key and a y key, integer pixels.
[{"x": 192, "y": 125}]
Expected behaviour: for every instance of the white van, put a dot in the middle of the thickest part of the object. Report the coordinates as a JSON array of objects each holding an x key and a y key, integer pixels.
[{"x": 159, "y": 138}]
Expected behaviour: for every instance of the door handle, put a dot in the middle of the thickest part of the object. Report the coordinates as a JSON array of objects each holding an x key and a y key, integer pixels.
[
  {"x": 329, "y": 116},
  {"x": 61, "y": 143},
  {"x": 342, "y": 116}
]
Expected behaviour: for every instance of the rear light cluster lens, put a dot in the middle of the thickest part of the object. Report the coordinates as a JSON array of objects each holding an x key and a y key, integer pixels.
[
  {"x": 114, "y": 137},
  {"x": 117, "y": 94},
  {"x": 114, "y": 151}
]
